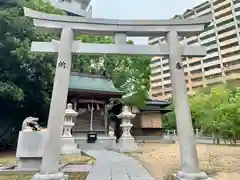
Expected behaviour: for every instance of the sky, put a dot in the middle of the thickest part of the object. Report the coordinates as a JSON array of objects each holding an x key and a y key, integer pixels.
[{"x": 141, "y": 9}]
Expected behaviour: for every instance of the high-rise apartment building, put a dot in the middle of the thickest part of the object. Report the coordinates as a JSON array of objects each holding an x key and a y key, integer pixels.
[
  {"x": 222, "y": 41},
  {"x": 74, "y": 7}
]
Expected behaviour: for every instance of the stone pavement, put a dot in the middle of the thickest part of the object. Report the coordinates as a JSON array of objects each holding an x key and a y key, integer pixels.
[{"x": 111, "y": 165}]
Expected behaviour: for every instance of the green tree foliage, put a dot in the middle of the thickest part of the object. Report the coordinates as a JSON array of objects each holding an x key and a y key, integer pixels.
[
  {"x": 26, "y": 78},
  {"x": 215, "y": 111},
  {"x": 129, "y": 74},
  {"x": 170, "y": 118},
  {"x": 218, "y": 112},
  {"x": 204, "y": 108}
]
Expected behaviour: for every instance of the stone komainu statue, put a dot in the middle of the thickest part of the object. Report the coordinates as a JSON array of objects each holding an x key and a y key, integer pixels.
[{"x": 30, "y": 123}]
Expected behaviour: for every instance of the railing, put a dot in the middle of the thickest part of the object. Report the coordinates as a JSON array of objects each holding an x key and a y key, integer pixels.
[
  {"x": 197, "y": 133},
  {"x": 200, "y": 138}
]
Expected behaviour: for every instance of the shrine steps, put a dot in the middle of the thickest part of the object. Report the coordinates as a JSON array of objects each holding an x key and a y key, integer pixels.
[{"x": 83, "y": 121}]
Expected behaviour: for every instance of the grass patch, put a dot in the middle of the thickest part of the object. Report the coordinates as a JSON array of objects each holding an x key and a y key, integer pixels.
[
  {"x": 27, "y": 176},
  {"x": 15, "y": 176},
  {"x": 78, "y": 176},
  {"x": 132, "y": 154},
  {"x": 10, "y": 159},
  {"x": 77, "y": 159}
]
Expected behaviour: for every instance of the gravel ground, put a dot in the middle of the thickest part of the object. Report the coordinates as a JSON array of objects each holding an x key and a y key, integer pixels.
[{"x": 220, "y": 162}]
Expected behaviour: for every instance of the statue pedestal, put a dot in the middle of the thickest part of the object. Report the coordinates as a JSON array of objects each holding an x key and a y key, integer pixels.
[
  {"x": 69, "y": 146},
  {"x": 126, "y": 142},
  {"x": 30, "y": 149}
]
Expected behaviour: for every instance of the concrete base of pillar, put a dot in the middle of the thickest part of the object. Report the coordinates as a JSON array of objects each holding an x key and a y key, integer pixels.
[
  {"x": 29, "y": 163},
  {"x": 127, "y": 144},
  {"x": 57, "y": 176},
  {"x": 191, "y": 176},
  {"x": 69, "y": 147}
]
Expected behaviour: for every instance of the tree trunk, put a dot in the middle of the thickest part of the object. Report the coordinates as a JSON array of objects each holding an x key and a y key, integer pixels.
[
  {"x": 234, "y": 140},
  {"x": 213, "y": 138}
]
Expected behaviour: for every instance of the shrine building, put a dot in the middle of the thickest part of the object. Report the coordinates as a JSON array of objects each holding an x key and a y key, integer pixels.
[{"x": 92, "y": 97}]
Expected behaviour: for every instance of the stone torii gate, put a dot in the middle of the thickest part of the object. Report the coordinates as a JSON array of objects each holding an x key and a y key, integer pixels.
[{"x": 69, "y": 26}]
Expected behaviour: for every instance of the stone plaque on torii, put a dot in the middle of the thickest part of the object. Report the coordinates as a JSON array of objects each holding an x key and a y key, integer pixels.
[{"x": 120, "y": 29}]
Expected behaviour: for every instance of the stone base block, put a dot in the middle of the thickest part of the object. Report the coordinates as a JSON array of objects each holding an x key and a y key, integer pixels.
[
  {"x": 57, "y": 176},
  {"x": 69, "y": 147},
  {"x": 66, "y": 150},
  {"x": 30, "y": 144},
  {"x": 111, "y": 143},
  {"x": 29, "y": 163},
  {"x": 30, "y": 149},
  {"x": 126, "y": 144},
  {"x": 191, "y": 176},
  {"x": 103, "y": 142}
]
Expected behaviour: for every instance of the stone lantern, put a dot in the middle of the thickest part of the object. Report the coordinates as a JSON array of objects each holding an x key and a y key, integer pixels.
[
  {"x": 126, "y": 141},
  {"x": 69, "y": 146}
]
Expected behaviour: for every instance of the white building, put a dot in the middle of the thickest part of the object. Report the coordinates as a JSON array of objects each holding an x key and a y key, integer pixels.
[
  {"x": 76, "y": 7},
  {"x": 222, "y": 40}
]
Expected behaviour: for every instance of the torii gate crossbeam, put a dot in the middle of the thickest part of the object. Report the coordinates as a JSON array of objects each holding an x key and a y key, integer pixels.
[
  {"x": 172, "y": 29},
  {"x": 119, "y": 49}
]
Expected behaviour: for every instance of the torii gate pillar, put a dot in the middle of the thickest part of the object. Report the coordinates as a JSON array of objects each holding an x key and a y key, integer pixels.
[
  {"x": 187, "y": 142},
  {"x": 51, "y": 155}
]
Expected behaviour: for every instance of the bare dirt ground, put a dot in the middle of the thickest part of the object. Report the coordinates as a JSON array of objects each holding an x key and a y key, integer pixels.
[{"x": 220, "y": 162}]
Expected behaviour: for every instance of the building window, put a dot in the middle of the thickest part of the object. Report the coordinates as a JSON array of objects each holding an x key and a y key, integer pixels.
[
  {"x": 212, "y": 67},
  {"x": 156, "y": 81},
  {"x": 156, "y": 67},
  {"x": 155, "y": 73},
  {"x": 156, "y": 88},
  {"x": 214, "y": 76},
  {"x": 157, "y": 94},
  {"x": 197, "y": 79},
  {"x": 156, "y": 61}
]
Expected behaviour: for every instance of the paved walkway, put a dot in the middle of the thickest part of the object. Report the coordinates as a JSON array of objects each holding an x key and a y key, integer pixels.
[{"x": 111, "y": 165}]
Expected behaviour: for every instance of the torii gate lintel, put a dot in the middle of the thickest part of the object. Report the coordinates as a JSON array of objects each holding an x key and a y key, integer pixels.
[{"x": 119, "y": 49}]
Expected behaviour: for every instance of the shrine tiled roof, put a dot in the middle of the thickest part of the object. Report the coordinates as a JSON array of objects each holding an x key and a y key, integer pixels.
[
  {"x": 156, "y": 105},
  {"x": 151, "y": 101},
  {"x": 97, "y": 83}
]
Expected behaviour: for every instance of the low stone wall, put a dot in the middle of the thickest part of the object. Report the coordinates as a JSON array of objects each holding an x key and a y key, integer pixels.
[{"x": 103, "y": 142}]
